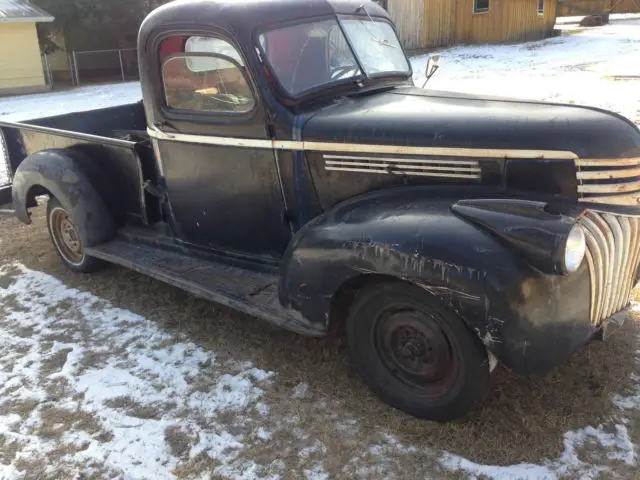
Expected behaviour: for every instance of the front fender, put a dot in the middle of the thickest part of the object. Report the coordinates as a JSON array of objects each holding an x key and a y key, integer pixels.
[
  {"x": 529, "y": 319},
  {"x": 56, "y": 171}
]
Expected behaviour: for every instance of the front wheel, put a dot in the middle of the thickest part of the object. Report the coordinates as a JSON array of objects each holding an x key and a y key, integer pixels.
[
  {"x": 67, "y": 241},
  {"x": 416, "y": 355}
]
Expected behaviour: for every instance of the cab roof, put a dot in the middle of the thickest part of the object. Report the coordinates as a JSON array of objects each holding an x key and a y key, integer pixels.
[{"x": 242, "y": 17}]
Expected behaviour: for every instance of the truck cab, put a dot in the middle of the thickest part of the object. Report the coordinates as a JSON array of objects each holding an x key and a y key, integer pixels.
[{"x": 283, "y": 163}]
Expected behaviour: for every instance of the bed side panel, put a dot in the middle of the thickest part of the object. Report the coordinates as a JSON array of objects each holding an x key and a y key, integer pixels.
[
  {"x": 103, "y": 122},
  {"x": 114, "y": 167}
]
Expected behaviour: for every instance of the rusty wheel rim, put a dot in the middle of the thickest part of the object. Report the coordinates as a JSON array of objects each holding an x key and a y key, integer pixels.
[
  {"x": 415, "y": 349},
  {"x": 65, "y": 236}
]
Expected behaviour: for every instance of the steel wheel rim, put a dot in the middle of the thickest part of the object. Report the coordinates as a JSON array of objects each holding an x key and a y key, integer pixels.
[
  {"x": 415, "y": 349},
  {"x": 66, "y": 237}
]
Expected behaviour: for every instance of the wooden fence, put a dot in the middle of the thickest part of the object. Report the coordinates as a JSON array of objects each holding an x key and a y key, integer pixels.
[
  {"x": 570, "y": 8},
  {"x": 625, "y": 6}
]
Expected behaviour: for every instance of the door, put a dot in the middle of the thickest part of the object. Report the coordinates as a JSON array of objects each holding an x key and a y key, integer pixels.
[{"x": 215, "y": 155}]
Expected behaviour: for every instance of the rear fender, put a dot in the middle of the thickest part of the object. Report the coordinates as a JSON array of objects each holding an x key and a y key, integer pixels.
[{"x": 57, "y": 172}]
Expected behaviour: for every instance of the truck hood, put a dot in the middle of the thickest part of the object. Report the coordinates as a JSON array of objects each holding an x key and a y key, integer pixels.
[{"x": 411, "y": 116}]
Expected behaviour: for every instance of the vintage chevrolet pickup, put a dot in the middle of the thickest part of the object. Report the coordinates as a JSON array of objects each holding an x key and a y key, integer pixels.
[{"x": 283, "y": 163}]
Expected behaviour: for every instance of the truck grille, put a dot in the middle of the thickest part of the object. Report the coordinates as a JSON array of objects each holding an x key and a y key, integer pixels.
[
  {"x": 612, "y": 181},
  {"x": 613, "y": 253}
]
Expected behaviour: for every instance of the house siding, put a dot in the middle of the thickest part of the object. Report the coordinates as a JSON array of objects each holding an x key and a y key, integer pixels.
[
  {"x": 436, "y": 23},
  {"x": 506, "y": 21},
  {"x": 20, "y": 61},
  {"x": 408, "y": 16}
]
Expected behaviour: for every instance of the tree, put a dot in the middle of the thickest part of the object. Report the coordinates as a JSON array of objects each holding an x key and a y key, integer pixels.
[
  {"x": 64, "y": 12},
  {"x": 121, "y": 18}
]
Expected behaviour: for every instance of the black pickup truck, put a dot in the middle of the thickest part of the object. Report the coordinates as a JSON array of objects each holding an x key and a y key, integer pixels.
[{"x": 283, "y": 163}]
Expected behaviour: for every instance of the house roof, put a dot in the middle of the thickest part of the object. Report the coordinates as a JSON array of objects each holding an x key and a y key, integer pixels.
[{"x": 21, "y": 11}]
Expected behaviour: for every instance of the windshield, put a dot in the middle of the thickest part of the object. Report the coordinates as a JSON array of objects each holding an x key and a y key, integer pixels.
[{"x": 311, "y": 55}]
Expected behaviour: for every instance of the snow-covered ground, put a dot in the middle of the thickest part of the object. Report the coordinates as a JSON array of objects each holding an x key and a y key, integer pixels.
[
  {"x": 107, "y": 392},
  {"x": 115, "y": 374},
  {"x": 89, "y": 388},
  {"x": 599, "y": 67}
]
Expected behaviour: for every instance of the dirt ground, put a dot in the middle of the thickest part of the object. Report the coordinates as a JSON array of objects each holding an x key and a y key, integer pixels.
[{"x": 336, "y": 428}]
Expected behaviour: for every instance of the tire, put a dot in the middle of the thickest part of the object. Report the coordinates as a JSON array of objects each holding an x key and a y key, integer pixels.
[
  {"x": 415, "y": 354},
  {"x": 69, "y": 245}
]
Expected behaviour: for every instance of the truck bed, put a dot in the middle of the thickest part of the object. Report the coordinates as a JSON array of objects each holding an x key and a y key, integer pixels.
[
  {"x": 111, "y": 140},
  {"x": 108, "y": 122}
]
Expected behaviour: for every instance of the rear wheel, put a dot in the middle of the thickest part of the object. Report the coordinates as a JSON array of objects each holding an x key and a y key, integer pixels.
[
  {"x": 416, "y": 355},
  {"x": 66, "y": 240}
]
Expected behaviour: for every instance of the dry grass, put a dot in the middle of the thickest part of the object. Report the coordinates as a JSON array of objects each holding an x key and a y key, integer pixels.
[
  {"x": 137, "y": 410},
  {"x": 179, "y": 442},
  {"x": 522, "y": 420}
]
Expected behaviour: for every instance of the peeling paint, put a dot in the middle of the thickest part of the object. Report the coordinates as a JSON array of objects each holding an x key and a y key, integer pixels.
[
  {"x": 438, "y": 291},
  {"x": 493, "y": 361},
  {"x": 489, "y": 339}
]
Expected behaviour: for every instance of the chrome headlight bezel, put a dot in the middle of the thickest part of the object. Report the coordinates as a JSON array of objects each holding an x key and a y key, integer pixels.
[{"x": 575, "y": 250}]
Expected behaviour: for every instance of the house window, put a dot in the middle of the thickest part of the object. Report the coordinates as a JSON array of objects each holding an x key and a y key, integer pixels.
[
  {"x": 480, "y": 6},
  {"x": 540, "y": 7}
]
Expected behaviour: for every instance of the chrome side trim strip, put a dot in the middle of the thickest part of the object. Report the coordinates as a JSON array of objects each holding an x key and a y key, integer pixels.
[
  {"x": 417, "y": 166},
  {"x": 360, "y": 148},
  {"x": 405, "y": 172},
  {"x": 470, "y": 163},
  {"x": 425, "y": 167}
]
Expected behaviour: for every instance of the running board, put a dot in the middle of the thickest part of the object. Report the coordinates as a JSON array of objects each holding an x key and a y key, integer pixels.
[{"x": 250, "y": 292}]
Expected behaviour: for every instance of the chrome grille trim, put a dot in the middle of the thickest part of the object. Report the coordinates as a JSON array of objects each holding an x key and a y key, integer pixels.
[
  {"x": 424, "y": 167},
  {"x": 614, "y": 181},
  {"x": 613, "y": 254}
]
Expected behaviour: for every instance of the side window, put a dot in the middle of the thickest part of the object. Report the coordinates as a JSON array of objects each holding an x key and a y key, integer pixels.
[
  {"x": 540, "y": 7},
  {"x": 480, "y": 6},
  {"x": 204, "y": 74}
]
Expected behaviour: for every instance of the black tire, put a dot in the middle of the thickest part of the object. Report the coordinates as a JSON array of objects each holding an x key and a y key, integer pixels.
[
  {"x": 415, "y": 354},
  {"x": 69, "y": 249}
]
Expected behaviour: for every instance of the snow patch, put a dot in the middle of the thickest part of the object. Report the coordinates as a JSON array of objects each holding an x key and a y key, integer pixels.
[
  {"x": 125, "y": 378},
  {"x": 617, "y": 444},
  {"x": 598, "y": 67},
  {"x": 300, "y": 390}
]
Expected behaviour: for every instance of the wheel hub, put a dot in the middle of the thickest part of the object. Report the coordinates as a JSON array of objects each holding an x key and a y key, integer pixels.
[
  {"x": 66, "y": 236},
  {"x": 415, "y": 348},
  {"x": 70, "y": 235},
  {"x": 412, "y": 343}
]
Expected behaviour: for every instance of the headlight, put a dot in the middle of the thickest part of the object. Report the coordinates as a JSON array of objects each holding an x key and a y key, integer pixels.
[{"x": 575, "y": 249}]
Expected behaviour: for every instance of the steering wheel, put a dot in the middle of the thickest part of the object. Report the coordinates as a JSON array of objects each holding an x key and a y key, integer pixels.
[{"x": 341, "y": 71}]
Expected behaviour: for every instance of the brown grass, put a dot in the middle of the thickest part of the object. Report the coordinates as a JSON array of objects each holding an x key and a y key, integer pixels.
[
  {"x": 138, "y": 410},
  {"x": 179, "y": 442},
  {"x": 522, "y": 420},
  {"x": 56, "y": 421}
]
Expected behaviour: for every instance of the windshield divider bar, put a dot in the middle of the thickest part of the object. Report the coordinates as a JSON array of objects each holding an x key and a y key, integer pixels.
[{"x": 353, "y": 50}]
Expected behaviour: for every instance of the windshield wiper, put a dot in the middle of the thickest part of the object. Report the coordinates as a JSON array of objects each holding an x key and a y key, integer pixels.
[{"x": 385, "y": 42}]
